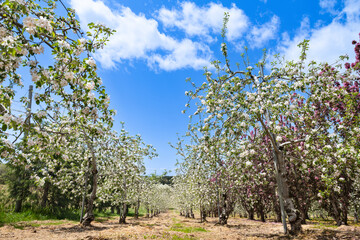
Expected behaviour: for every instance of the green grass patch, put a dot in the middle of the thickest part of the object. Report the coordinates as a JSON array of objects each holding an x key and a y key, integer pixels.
[
  {"x": 178, "y": 227},
  {"x": 9, "y": 217},
  {"x": 323, "y": 225},
  {"x": 150, "y": 237},
  {"x": 22, "y": 225},
  {"x": 104, "y": 216},
  {"x": 131, "y": 212}
]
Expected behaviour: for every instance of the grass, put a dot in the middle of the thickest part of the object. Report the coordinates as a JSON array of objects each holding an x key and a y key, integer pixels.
[
  {"x": 104, "y": 216},
  {"x": 142, "y": 212},
  {"x": 176, "y": 237},
  {"x": 150, "y": 237},
  {"x": 10, "y": 217},
  {"x": 328, "y": 223},
  {"x": 31, "y": 215},
  {"x": 22, "y": 225},
  {"x": 178, "y": 227}
]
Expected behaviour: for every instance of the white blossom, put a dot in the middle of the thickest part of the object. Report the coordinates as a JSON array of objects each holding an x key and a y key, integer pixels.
[
  {"x": 63, "y": 83},
  {"x": 64, "y": 44},
  {"x": 69, "y": 75},
  {"x": 90, "y": 62},
  {"x": 90, "y": 86}
]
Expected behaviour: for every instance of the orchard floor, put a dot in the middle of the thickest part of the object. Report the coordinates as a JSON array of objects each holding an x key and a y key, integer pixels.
[{"x": 170, "y": 225}]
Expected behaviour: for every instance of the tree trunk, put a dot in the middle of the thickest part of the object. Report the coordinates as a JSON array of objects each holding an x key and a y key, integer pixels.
[
  {"x": 21, "y": 188},
  {"x": 202, "y": 215},
  {"x": 123, "y": 213},
  {"x": 262, "y": 215},
  {"x": 292, "y": 213},
  {"x": 226, "y": 210},
  {"x": 137, "y": 206},
  {"x": 250, "y": 213},
  {"x": 89, "y": 215},
  {"x": 187, "y": 213},
  {"x": 223, "y": 217},
  {"x": 277, "y": 212},
  {"x": 147, "y": 212},
  {"x": 335, "y": 211},
  {"x": 18, "y": 205},
  {"x": 45, "y": 194},
  {"x": 303, "y": 215},
  {"x": 344, "y": 218}
]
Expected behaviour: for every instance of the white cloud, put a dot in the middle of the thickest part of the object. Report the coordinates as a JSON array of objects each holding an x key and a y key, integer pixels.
[
  {"x": 260, "y": 35},
  {"x": 327, "y": 42},
  {"x": 138, "y": 37},
  {"x": 328, "y": 5},
  {"x": 203, "y": 21},
  {"x": 184, "y": 56}
]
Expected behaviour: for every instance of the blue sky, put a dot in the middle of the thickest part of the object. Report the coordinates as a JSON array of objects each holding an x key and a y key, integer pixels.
[{"x": 160, "y": 43}]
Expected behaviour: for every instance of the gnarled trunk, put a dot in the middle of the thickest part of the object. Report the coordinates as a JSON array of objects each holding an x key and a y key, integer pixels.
[
  {"x": 123, "y": 213},
  {"x": 292, "y": 213},
  {"x": 89, "y": 215},
  {"x": 226, "y": 209}
]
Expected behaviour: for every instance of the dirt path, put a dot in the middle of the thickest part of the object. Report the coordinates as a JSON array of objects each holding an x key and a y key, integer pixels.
[{"x": 171, "y": 226}]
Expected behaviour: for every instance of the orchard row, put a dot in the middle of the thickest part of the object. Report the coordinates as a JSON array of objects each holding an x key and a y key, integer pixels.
[
  {"x": 61, "y": 152},
  {"x": 285, "y": 143}
]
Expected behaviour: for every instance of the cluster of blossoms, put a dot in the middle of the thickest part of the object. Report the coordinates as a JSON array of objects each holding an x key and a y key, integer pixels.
[
  {"x": 31, "y": 24},
  {"x": 355, "y": 65}
]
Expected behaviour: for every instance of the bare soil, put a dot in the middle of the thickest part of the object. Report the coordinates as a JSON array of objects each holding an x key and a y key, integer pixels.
[{"x": 170, "y": 225}]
